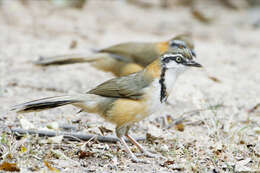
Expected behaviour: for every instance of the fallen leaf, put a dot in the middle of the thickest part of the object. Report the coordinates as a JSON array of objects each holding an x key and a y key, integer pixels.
[
  {"x": 23, "y": 149},
  {"x": 214, "y": 79},
  {"x": 84, "y": 154},
  {"x": 50, "y": 167},
  {"x": 169, "y": 118},
  {"x": 179, "y": 127},
  {"x": 198, "y": 14},
  {"x": 166, "y": 163},
  {"x": 241, "y": 142},
  {"x": 11, "y": 167}
]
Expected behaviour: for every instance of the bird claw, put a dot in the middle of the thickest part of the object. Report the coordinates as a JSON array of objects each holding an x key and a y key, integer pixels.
[
  {"x": 136, "y": 160},
  {"x": 150, "y": 155}
]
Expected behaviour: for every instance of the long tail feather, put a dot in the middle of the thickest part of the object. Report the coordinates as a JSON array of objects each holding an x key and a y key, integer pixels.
[
  {"x": 79, "y": 58},
  {"x": 46, "y": 103},
  {"x": 64, "y": 59}
]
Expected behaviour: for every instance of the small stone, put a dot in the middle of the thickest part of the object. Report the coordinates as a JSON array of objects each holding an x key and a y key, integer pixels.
[
  {"x": 55, "y": 139},
  {"x": 53, "y": 125},
  {"x": 164, "y": 148},
  {"x": 26, "y": 124}
]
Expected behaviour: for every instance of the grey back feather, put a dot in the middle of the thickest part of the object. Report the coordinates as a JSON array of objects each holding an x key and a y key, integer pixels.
[{"x": 130, "y": 86}]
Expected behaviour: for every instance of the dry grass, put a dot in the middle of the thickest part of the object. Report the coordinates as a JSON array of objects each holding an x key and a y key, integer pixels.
[{"x": 219, "y": 139}]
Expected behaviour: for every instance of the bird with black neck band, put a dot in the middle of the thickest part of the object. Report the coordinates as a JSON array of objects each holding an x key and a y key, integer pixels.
[{"x": 126, "y": 100}]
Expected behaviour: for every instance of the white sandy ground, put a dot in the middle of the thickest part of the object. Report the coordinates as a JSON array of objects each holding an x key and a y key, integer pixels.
[{"x": 224, "y": 139}]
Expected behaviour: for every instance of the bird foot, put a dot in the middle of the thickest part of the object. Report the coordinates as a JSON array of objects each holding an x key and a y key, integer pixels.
[
  {"x": 150, "y": 155},
  {"x": 136, "y": 160}
]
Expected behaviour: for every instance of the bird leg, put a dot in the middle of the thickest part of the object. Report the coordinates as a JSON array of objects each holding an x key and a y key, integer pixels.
[
  {"x": 120, "y": 132},
  {"x": 133, "y": 157},
  {"x": 139, "y": 146}
]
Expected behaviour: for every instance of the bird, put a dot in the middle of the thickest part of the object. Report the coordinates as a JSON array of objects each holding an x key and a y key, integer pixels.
[
  {"x": 126, "y": 100},
  {"x": 122, "y": 59}
]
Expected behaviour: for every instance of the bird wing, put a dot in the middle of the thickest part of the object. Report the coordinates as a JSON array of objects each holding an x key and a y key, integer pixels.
[
  {"x": 130, "y": 86},
  {"x": 142, "y": 53}
]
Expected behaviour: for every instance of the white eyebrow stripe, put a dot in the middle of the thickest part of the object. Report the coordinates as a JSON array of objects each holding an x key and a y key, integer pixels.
[{"x": 172, "y": 55}]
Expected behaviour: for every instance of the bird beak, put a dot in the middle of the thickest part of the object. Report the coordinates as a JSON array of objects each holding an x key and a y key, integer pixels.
[{"x": 192, "y": 63}]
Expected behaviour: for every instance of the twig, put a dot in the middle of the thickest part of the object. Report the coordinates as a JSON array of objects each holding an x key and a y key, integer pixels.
[
  {"x": 69, "y": 136},
  {"x": 191, "y": 113}
]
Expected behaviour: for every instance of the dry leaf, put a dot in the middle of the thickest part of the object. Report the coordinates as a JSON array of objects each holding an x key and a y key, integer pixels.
[
  {"x": 214, "y": 79},
  {"x": 84, "y": 154},
  {"x": 50, "y": 167},
  {"x": 166, "y": 163},
  {"x": 169, "y": 118},
  {"x": 200, "y": 16},
  {"x": 180, "y": 127},
  {"x": 11, "y": 167},
  {"x": 23, "y": 149}
]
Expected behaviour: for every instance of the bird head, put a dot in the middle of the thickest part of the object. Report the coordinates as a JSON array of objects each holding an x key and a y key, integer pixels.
[
  {"x": 173, "y": 63},
  {"x": 182, "y": 41},
  {"x": 179, "y": 59}
]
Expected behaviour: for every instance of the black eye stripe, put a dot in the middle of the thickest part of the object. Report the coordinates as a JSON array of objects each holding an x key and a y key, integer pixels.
[{"x": 177, "y": 58}]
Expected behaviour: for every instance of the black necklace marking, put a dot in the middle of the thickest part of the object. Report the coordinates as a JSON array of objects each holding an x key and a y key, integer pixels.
[
  {"x": 178, "y": 58},
  {"x": 163, "y": 96}
]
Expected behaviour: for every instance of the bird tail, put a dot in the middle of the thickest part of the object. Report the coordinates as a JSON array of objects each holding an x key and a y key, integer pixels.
[
  {"x": 47, "y": 103},
  {"x": 67, "y": 59}
]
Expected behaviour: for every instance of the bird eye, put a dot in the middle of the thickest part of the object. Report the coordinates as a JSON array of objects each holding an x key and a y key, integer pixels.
[{"x": 178, "y": 59}]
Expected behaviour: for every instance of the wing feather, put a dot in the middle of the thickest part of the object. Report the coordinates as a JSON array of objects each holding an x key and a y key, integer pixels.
[{"x": 130, "y": 86}]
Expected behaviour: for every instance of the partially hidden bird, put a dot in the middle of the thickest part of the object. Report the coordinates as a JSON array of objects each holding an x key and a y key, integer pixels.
[{"x": 122, "y": 59}]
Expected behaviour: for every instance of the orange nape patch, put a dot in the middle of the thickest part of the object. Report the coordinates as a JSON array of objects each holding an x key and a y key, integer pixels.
[
  {"x": 126, "y": 111},
  {"x": 154, "y": 69},
  {"x": 163, "y": 47}
]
